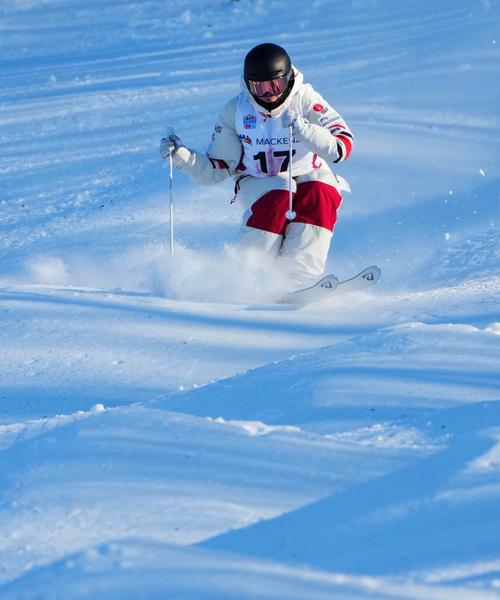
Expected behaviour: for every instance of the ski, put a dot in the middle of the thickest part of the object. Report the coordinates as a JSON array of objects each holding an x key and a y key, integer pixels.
[{"x": 329, "y": 286}]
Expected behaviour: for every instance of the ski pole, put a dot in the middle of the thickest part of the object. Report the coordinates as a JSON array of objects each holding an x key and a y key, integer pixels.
[
  {"x": 171, "y": 188},
  {"x": 290, "y": 214}
]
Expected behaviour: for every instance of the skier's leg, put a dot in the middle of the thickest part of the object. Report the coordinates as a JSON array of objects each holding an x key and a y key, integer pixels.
[
  {"x": 305, "y": 249},
  {"x": 307, "y": 238},
  {"x": 265, "y": 202}
]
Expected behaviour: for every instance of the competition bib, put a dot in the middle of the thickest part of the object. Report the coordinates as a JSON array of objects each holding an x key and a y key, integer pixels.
[{"x": 265, "y": 143}]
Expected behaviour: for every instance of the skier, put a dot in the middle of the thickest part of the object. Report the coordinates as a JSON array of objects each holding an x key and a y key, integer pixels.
[{"x": 250, "y": 144}]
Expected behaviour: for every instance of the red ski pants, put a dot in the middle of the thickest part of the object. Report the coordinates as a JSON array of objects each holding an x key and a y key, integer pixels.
[{"x": 315, "y": 203}]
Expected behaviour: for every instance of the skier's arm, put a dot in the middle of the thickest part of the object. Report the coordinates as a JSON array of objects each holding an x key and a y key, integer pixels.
[
  {"x": 321, "y": 129},
  {"x": 199, "y": 167},
  {"x": 223, "y": 154}
]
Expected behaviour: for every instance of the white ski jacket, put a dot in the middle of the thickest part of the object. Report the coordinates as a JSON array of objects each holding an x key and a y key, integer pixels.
[{"x": 249, "y": 140}]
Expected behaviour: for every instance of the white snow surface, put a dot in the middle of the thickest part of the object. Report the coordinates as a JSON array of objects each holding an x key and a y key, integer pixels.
[{"x": 167, "y": 429}]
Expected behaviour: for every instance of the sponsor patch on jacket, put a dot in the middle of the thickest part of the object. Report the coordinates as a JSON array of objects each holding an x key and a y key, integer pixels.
[
  {"x": 245, "y": 138},
  {"x": 249, "y": 121},
  {"x": 318, "y": 107},
  {"x": 334, "y": 129}
]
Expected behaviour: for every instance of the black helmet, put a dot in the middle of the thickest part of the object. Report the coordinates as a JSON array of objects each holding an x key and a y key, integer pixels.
[{"x": 267, "y": 61}]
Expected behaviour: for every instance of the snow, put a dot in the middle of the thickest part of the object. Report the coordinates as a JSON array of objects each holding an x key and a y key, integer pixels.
[{"x": 167, "y": 429}]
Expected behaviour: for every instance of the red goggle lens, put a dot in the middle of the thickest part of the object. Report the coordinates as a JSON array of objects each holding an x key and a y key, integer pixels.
[{"x": 272, "y": 87}]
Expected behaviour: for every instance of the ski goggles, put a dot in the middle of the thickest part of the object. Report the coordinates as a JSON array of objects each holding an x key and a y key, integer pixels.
[{"x": 272, "y": 87}]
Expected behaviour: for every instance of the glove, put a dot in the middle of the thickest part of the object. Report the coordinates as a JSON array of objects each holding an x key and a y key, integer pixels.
[
  {"x": 291, "y": 117},
  {"x": 169, "y": 144}
]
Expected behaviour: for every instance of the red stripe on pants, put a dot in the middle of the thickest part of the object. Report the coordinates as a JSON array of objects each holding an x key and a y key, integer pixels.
[{"x": 315, "y": 203}]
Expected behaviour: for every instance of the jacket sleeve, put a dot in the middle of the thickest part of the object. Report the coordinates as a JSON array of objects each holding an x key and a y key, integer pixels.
[
  {"x": 322, "y": 129},
  {"x": 223, "y": 154}
]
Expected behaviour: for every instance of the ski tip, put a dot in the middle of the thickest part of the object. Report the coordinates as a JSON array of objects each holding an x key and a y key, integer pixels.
[
  {"x": 329, "y": 282},
  {"x": 371, "y": 274},
  {"x": 324, "y": 287}
]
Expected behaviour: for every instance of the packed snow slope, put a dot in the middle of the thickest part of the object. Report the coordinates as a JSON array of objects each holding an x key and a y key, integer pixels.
[{"x": 166, "y": 428}]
